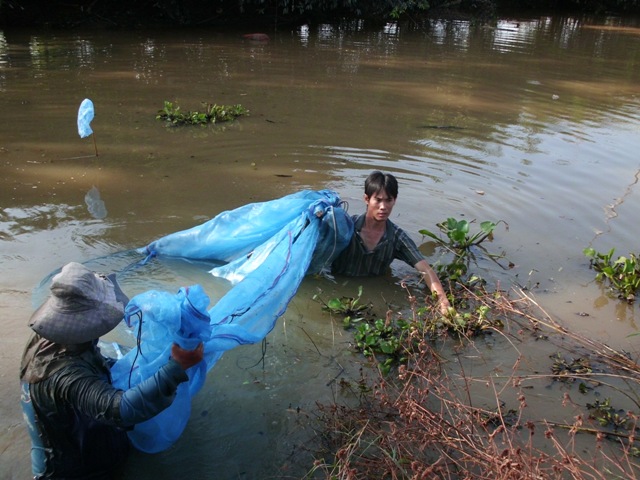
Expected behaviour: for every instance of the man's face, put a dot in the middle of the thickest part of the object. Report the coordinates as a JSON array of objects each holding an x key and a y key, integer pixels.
[{"x": 379, "y": 205}]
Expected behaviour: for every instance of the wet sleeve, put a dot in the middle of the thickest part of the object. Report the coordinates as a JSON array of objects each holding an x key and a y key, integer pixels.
[
  {"x": 152, "y": 396},
  {"x": 88, "y": 392},
  {"x": 95, "y": 397}
]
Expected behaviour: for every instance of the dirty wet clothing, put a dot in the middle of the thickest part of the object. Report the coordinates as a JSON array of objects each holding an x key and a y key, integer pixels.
[{"x": 76, "y": 419}]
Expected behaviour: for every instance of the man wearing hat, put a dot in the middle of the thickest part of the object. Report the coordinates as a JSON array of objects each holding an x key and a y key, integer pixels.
[{"x": 76, "y": 419}]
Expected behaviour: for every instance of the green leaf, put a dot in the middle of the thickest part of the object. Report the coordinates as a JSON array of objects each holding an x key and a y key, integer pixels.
[
  {"x": 487, "y": 227},
  {"x": 335, "y": 304},
  {"x": 430, "y": 234}
]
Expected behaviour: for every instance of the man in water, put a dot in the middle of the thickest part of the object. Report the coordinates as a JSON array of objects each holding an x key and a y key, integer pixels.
[
  {"x": 377, "y": 241},
  {"x": 76, "y": 419}
]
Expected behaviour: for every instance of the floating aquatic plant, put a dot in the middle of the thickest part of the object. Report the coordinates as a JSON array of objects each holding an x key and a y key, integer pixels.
[
  {"x": 459, "y": 240},
  {"x": 212, "y": 113},
  {"x": 392, "y": 339},
  {"x": 623, "y": 274}
]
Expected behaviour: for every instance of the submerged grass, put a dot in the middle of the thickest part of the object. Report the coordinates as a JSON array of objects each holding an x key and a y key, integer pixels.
[{"x": 423, "y": 421}]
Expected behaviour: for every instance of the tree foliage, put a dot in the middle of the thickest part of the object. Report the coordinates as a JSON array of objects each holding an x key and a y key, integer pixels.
[{"x": 273, "y": 13}]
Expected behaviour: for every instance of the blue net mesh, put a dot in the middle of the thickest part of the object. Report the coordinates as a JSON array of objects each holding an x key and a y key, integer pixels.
[{"x": 268, "y": 248}]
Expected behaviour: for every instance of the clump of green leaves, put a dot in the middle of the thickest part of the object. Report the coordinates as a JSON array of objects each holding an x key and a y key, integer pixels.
[
  {"x": 394, "y": 338},
  {"x": 212, "y": 113},
  {"x": 608, "y": 416},
  {"x": 623, "y": 274},
  {"x": 383, "y": 337},
  {"x": 566, "y": 369},
  {"x": 469, "y": 323},
  {"x": 351, "y": 309},
  {"x": 372, "y": 336},
  {"x": 459, "y": 235},
  {"x": 459, "y": 239}
]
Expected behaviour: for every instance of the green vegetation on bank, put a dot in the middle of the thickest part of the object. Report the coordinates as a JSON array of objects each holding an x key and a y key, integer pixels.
[{"x": 126, "y": 14}]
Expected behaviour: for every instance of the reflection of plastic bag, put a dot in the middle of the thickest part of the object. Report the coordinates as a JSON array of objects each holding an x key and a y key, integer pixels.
[
  {"x": 166, "y": 318},
  {"x": 95, "y": 205}
]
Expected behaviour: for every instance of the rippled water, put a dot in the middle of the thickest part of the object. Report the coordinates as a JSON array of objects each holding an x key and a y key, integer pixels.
[{"x": 534, "y": 122}]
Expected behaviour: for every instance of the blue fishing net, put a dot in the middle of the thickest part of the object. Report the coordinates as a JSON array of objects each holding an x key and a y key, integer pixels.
[
  {"x": 268, "y": 248},
  {"x": 158, "y": 317},
  {"x": 237, "y": 232}
]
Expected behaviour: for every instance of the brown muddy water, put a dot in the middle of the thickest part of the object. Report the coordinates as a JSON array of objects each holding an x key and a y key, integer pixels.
[{"x": 531, "y": 121}]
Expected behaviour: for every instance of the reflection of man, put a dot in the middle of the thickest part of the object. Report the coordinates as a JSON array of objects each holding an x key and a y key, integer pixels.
[
  {"x": 377, "y": 241},
  {"x": 76, "y": 419}
]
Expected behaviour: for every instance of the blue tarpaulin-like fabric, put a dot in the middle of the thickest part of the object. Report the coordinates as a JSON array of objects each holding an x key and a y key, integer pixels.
[{"x": 269, "y": 247}]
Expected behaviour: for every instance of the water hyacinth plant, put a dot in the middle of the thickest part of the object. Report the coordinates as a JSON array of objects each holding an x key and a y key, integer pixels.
[
  {"x": 392, "y": 339},
  {"x": 212, "y": 114},
  {"x": 459, "y": 240},
  {"x": 622, "y": 274},
  {"x": 428, "y": 419}
]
